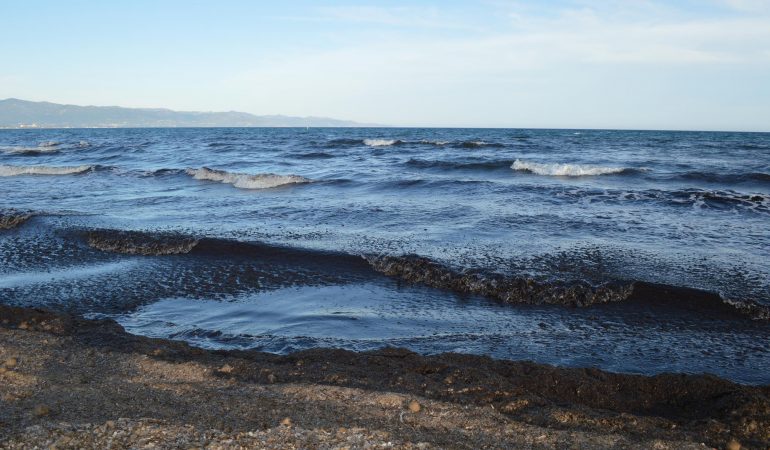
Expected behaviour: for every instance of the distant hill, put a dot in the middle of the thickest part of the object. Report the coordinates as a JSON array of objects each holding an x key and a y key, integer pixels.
[{"x": 15, "y": 113}]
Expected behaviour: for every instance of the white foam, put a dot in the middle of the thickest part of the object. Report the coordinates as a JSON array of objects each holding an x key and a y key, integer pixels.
[
  {"x": 244, "y": 180},
  {"x": 564, "y": 170},
  {"x": 428, "y": 141},
  {"x": 380, "y": 142},
  {"x": 10, "y": 171}
]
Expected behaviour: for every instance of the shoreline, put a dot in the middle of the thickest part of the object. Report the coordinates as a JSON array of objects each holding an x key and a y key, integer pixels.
[{"x": 71, "y": 382}]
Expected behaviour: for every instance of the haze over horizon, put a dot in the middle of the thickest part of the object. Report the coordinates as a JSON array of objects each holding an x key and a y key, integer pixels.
[{"x": 565, "y": 64}]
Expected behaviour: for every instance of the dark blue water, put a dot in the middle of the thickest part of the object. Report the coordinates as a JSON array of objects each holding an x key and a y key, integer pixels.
[{"x": 277, "y": 220}]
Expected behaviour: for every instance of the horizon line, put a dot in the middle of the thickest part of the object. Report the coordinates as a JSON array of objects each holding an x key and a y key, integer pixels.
[{"x": 363, "y": 123}]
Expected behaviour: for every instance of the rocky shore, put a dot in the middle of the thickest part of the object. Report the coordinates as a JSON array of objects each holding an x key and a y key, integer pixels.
[{"x": 67, "y": 382}]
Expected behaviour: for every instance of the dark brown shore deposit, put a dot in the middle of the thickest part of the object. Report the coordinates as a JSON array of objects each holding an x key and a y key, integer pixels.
[{"x": 66, "y": 382}]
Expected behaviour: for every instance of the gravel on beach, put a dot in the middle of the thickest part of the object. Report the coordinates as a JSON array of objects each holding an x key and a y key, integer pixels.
[{"x": 66, "y": 382}]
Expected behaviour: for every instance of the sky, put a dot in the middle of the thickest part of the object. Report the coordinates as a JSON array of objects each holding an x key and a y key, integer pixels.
[{"x": 633, "y": 64}]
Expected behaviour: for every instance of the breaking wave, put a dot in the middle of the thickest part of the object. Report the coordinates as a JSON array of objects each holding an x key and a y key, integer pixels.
[
  {"x": 140, "y": 243},
  {"x": 567, "y": 170},
  {"x": 381, "y": 142},
  {"x": 246, "y": 181},
  {"x": 10, "y": 171},
  {"x": 435, "y": 142}
]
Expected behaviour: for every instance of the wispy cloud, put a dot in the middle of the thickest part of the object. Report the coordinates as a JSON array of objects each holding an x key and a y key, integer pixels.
[
  {"x": 748, "y": 5},
  {"x": 527, "y": 57}
]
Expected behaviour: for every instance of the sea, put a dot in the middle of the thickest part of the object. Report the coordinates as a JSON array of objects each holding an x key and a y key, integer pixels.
[{"x": 630, "y": 251}]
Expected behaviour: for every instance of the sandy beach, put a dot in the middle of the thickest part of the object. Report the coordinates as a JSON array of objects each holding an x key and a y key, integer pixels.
[{"x": 72, "y": 383}]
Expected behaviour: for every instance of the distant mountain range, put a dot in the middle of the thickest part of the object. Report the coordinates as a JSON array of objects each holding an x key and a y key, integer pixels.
[{"x": 15, "y": 113}]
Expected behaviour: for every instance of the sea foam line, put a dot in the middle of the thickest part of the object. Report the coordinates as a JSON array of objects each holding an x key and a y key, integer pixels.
[
  {"x": 244, "y": 180},
  {"x": 10, "y": 171},
  {"x": 381, "y": 142},
  {"x": 565, "y": 170}
]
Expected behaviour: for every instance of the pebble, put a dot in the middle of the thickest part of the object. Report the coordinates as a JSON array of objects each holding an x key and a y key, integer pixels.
[
  {"x": 414, "y": 406},
  {"x": 227, "y": 368},
  {"x": 10, "y": 363},
  {"x": 734, "y": 445},
  {"x": 286, "y": 422},
  {"x": 41, "y": 410}
]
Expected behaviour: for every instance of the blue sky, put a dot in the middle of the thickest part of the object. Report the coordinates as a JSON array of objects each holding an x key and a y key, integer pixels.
[{"x": 574, "y": 64}]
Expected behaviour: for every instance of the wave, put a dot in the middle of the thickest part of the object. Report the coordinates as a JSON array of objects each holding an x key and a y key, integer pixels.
[
  {"x": 381, "y": 142},
  {"x": 140, "y": 243},
  {"x": 435, "y": 142},
  {"x": 29, "y": 150},
  {"x": 344, "y": 142},
  {"x": 417, "y": 269},
  {"x": 9, "y": 171},
  {"x": 757, "y": 177},
  {"x": 246, "y": 181},
  {"x": 567, "y": 170},
  {"x": 697, "y": 198},
  {"x": 163, "y": 172},
  {"x": 458, "y": 165},
  {"x": 43, "y": 148},
  {"x": 313, "y": 155},
  {"x": 528, "y": 290},
  {"x": 12, "y": 218},
  {"x": 720, "y": 199},
  {"x": 477, "y": 144}
]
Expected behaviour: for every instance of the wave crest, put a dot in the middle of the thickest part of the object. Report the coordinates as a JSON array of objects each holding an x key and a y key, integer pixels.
[
  {"x": 566, "y": 170},
  {"x": 478, "y": 144},
  {"x": 381, "y": 142},
  {"x": 246, "y": 181},
  {"x": 10, "y": 171}
]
